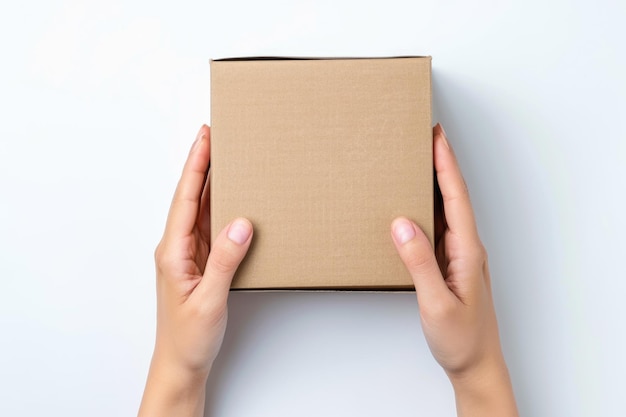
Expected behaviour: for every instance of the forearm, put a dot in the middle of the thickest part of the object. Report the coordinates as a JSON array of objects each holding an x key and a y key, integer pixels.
[
  {"x": 172, "y": 393},
  {"x": 485, "y": 393}
]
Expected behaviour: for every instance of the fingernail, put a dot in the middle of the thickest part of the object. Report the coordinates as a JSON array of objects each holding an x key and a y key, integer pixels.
[
  {"x": 444, "y": 136},
  {"x": 403, "y": 231},
  {"x": 239, "y": 231},
  {"x": 199, "y": 138}
]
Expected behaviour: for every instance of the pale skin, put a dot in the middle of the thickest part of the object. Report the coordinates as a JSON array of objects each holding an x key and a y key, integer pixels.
[{"x": 452, "y": 283}]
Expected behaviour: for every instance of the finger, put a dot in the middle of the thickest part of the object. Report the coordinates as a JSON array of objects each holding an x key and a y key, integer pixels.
[
  {"x": 227, "y": 252},
  {"x": 186, "y": 201},
  {"x": 458, "y": 212},
  {"x": 419, "y": 258}
]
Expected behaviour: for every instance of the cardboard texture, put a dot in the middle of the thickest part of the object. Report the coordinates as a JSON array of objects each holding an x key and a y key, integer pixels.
[{"x": 321, "y": 155}]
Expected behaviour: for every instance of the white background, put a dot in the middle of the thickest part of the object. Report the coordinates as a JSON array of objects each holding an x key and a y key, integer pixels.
[{"x": 100, "y": 101}]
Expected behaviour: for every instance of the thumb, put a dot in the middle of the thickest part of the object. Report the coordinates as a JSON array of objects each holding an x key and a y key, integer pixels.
[
  {"x": 227, "y": 252},
  {"x": 419, "y": 258}
]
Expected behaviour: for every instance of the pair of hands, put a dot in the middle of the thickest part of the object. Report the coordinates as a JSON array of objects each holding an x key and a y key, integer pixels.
[{"x": 452, "y": 285}]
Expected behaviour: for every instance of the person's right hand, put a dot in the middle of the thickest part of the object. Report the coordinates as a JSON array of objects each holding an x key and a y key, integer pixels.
[
  {"x": 454, "y": 294},
  {"x": 193, "y": 283}
]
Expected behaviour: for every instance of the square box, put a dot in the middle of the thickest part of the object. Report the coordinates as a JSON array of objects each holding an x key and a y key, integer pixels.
[{"x": 321, "y": 155}]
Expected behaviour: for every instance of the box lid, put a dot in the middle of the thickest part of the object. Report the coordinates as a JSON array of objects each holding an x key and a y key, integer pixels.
[{"x": 321, "y": 155}]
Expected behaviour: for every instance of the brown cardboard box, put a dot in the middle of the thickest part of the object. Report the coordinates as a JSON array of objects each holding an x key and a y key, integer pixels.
[{"x": 321, "y": 155}]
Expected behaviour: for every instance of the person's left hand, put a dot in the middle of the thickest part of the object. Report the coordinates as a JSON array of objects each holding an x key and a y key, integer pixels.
[{"x": 193, "y": 283}]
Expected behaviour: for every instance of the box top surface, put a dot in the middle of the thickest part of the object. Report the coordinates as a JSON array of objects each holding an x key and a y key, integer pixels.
[{"x": 321, "y": 155}]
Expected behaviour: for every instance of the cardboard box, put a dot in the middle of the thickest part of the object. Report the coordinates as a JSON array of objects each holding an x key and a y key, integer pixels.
[{"x": 321, "y": 155}]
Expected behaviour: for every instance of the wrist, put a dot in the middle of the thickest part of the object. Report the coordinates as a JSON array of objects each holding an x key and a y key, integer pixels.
[
  {"x": 177, "y": 375},
  {"x": 484, "y": 390},
  {"x": 173, "y": 390},
  {"x": 490, "y": 367}
]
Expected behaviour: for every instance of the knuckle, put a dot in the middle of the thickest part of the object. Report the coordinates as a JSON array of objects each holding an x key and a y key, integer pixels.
[
  {"x": 158, "y": 252},
  {"x": 440, "y": 311},
  {"x": 461, "y": 193},
  {"x": 164, "y": 265},
  {"x": 484, "y": 255},
  {"x": 418, "y": 260},
  {"x": 212, "y": 313},
  {"x": 478, "y": 253},
  {"x": 163, "y": 261},
  {"x": 222, "y": 262},
  {"x": 464, "y": 187}
]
